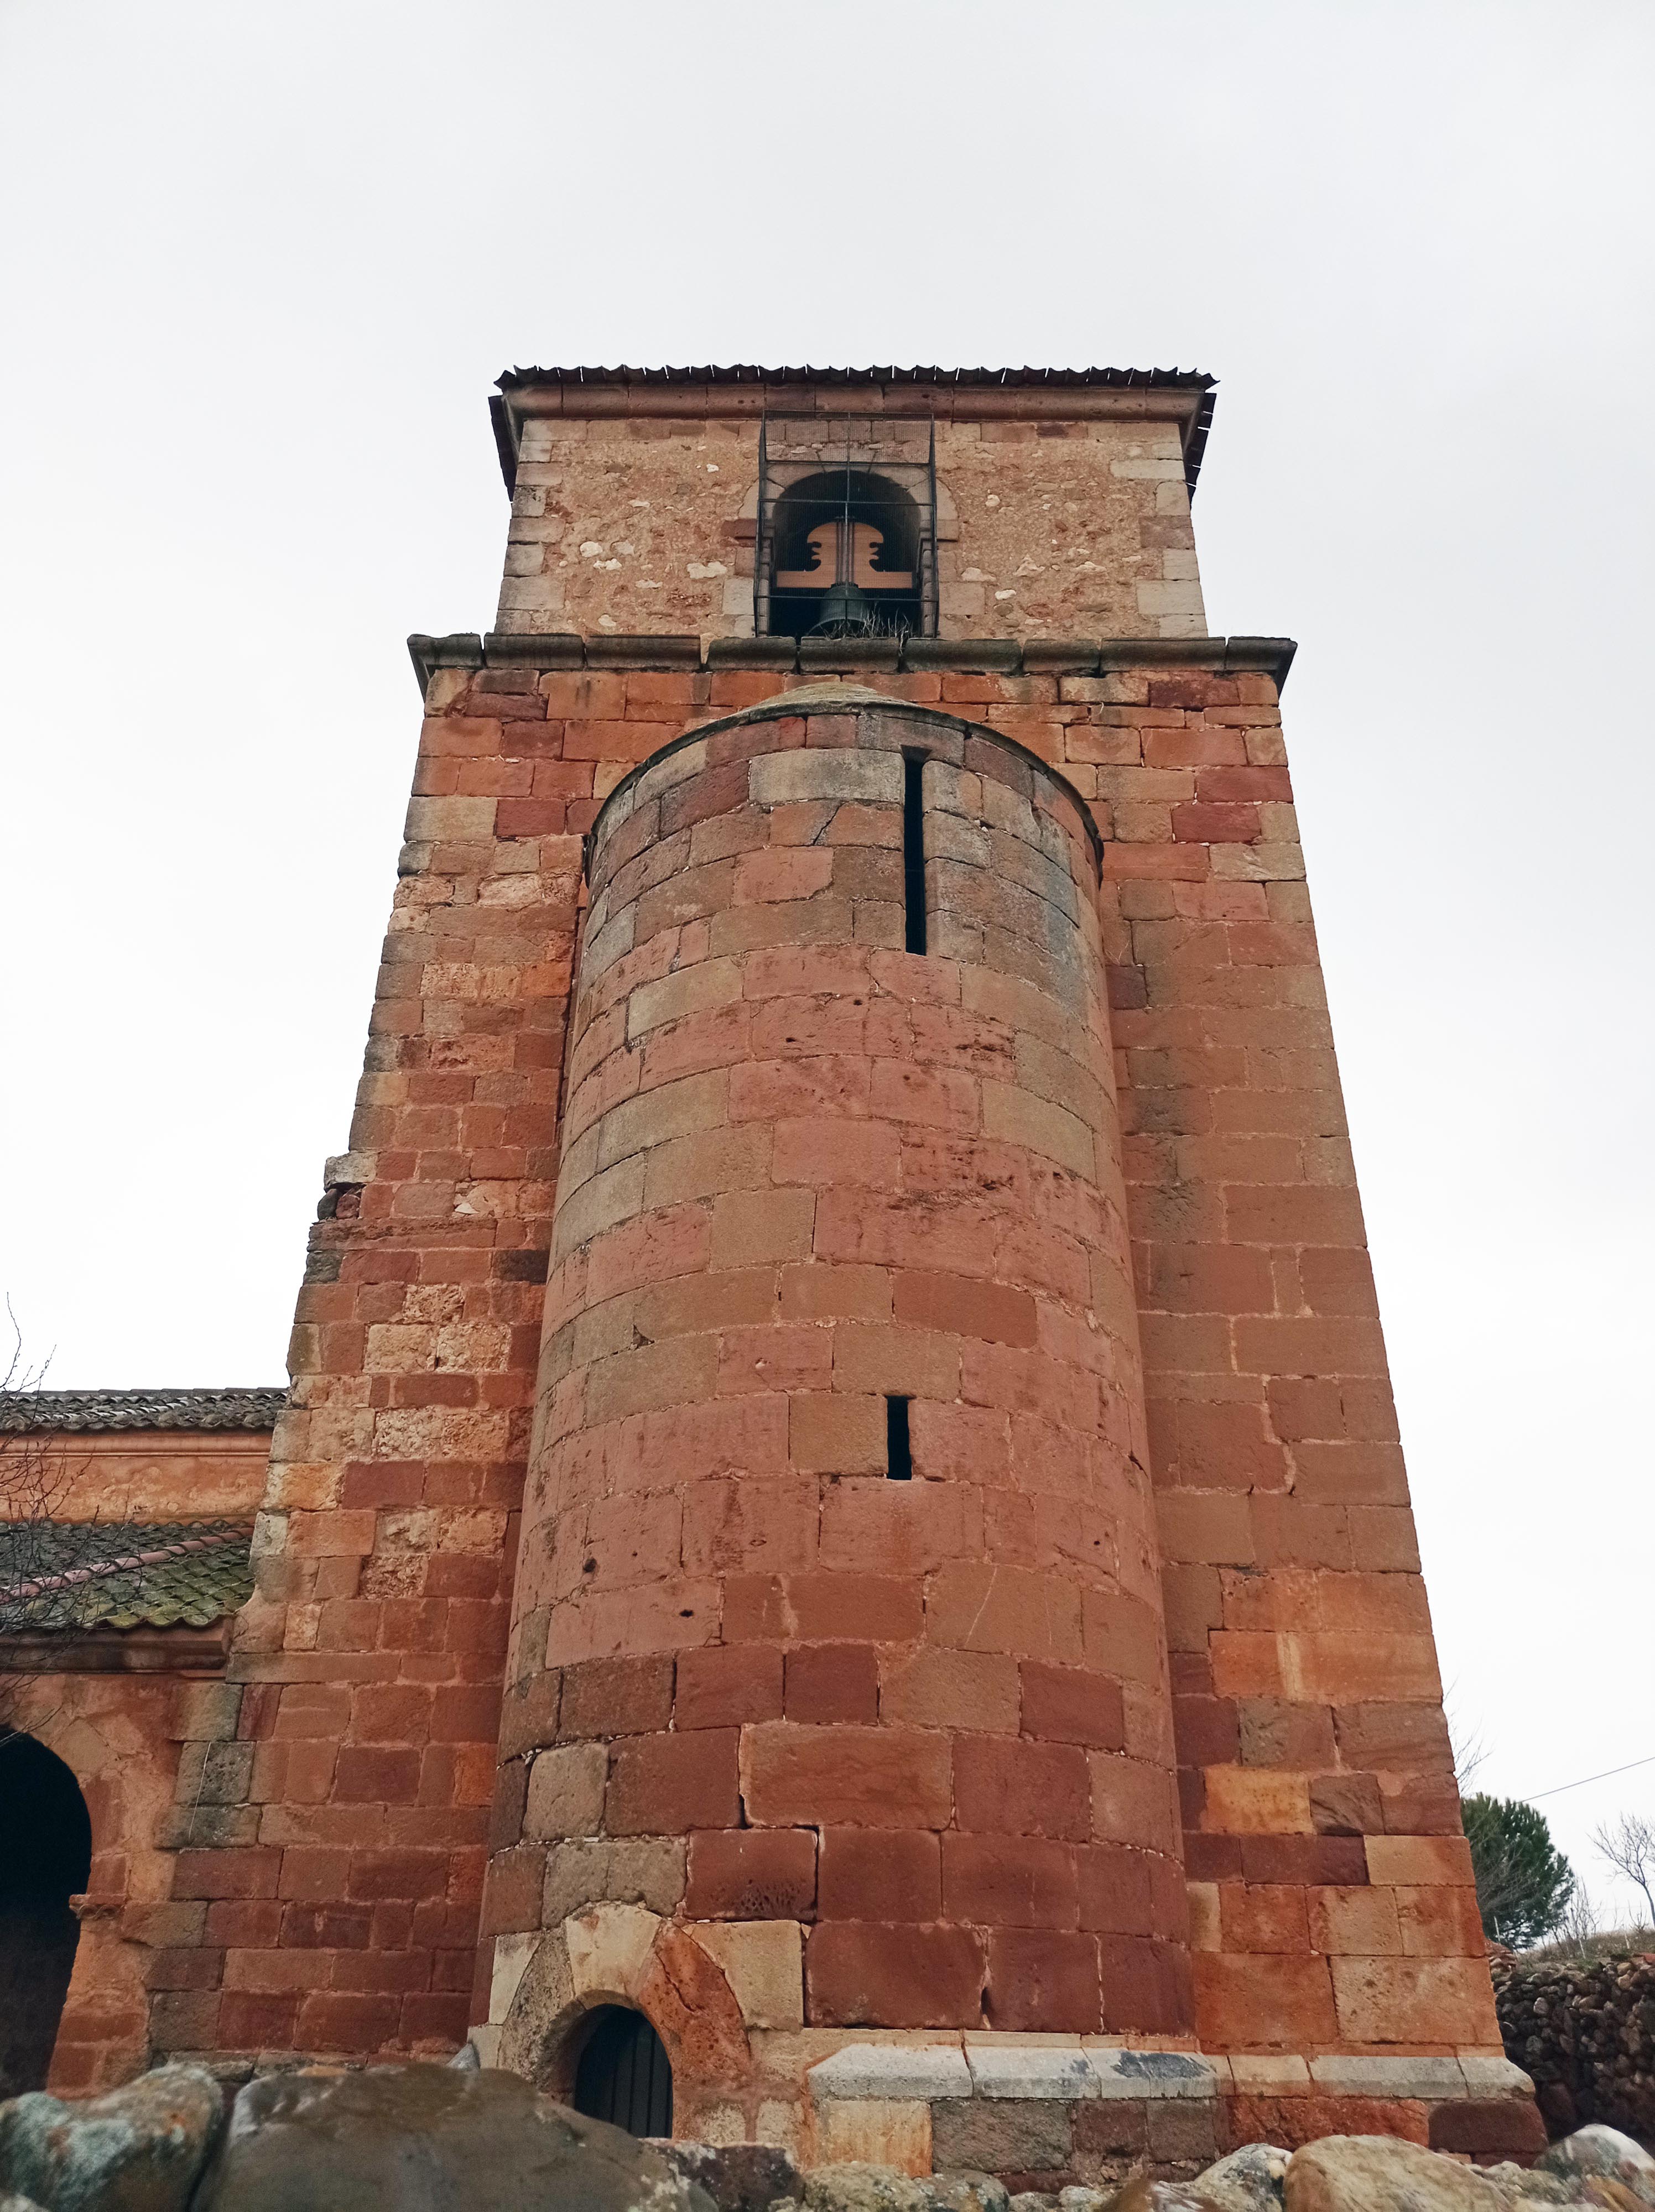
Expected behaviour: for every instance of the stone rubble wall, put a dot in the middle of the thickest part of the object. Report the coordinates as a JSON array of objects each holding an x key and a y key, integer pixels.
[{"x": 1585, "y": 2032}]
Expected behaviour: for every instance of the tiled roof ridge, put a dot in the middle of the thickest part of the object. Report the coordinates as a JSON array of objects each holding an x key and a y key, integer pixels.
[
  {"x": 512, "y": 380},
  {"x": 89, "y": 1412},
  {"x": 218, "y": 1533},
  {"x": 73, "y": 1578}
]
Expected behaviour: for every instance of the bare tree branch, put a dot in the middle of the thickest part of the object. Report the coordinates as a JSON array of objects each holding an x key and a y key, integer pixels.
[
  {"x": 1628, "y": 1844},
  {"x": 1469, "y": 1748},
  {"x": 1579, "y": 1928},
  {"x": 36, "y": 1478}
]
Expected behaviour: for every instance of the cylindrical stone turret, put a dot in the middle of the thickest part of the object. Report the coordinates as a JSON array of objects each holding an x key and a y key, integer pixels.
[{"x": 838, "y": 1572}]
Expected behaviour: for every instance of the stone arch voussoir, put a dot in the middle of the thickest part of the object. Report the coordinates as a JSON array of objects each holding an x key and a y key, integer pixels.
[{"x": 623, "y": 1954}]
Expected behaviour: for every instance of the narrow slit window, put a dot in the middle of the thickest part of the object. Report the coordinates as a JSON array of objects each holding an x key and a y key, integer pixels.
[
  {"x": 912, "y": 855},
  {"x": 898, "y": 1450}
]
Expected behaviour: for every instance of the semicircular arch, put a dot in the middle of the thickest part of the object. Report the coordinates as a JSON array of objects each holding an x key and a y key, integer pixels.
[{"x": 46, "y": 1859}]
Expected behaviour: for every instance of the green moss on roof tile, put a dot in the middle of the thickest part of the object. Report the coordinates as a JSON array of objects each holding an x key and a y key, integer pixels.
[{"x": 69, "y": 1576}]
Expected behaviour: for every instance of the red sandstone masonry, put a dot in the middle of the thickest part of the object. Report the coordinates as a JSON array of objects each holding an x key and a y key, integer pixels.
[
  {"x": 1307, "y": 1744},
  {"x": 1308, "y": 1717},
  {"x": 1076, "y": 1185},
  {"x": 370, "y": 1656},
  {"x": 1307, "y": 1695},
  {"x": 710, "y": 1483}
]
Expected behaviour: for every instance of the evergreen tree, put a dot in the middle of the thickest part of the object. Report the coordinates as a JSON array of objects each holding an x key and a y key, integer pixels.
[{"x": 1524, "y": 1883}]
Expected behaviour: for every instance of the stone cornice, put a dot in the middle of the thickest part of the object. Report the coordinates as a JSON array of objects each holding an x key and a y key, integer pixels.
[
  {"x": 960, "y": 395},
  {"x": 1009, "y": 656},
  {"x": 1185, "y": 397},
  {"x": 142, "y": 1650},
  {"x": 1163, "y": 402}
]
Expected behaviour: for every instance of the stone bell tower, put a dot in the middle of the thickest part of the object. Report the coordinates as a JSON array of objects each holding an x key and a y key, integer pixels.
[{"x": 965, "y": 1693}]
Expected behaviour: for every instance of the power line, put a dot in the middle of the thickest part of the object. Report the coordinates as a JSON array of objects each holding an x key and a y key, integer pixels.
[{"x": 1558, "y": 1789}]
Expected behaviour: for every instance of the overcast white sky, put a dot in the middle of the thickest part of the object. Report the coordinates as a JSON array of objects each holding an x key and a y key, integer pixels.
[{"x": 260, "y": 267}]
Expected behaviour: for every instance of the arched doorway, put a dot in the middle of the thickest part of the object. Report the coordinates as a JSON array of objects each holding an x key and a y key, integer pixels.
[
  {"x": 45, "y": 1858},
  {"x": 623, "y": 2074}
]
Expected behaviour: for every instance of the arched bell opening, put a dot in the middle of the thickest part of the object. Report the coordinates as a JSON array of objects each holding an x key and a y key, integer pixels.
[
  {"x": 45, "y": 1858},
  {"x": 846, "y": 554},
  {"x": 623, "y": 2074}
]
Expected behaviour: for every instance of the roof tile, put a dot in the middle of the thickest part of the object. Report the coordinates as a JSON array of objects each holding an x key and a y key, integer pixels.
[
  {"x": 88, "y": 1411},
  {"x": 122, "y": 1574}
]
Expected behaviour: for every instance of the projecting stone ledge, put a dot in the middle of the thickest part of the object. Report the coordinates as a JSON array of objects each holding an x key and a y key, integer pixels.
[
  {"x": 1073, "y": 2072},
  {"x": 882, "y": 2070},
  {"x": 1044, "y": 656},
  {"x": 1087, "y": 2111}
]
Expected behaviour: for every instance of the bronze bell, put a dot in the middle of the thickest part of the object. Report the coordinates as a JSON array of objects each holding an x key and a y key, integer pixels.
[{"x": 847, "y": 611}]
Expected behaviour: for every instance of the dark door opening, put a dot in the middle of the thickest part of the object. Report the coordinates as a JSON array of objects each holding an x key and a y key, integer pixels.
[
  {"x": 45, "y": 1858},
  {"x": 624, "y": 2075}
]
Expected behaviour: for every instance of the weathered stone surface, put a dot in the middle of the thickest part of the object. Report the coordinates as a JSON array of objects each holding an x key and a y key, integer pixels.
[
  {"x": 1023, "y": 2070},
  {"x": 1522, "y": 2185},
  {"x": 1602, "y": 2153},
  {"x": 1010, "y": 2135},
  {"x": 1494, "y": 2077},
  {"x": 1081, "y": 2199},
  {"x": 11, "y": 2202},
  {"x": 137, "y": 2149},
  {"x": 1143, "y": 2194},
  {"x": 738, "y": 2177},
  {"x": 1250, "y": 2179},
  {"x": 1134, "y": 2074},
  {"x": 1035, "y": 2200},
  {"x": 1489, "y": 2128},
  {"x": 1380, "y": 2173},
  {"x": 1611, "y": 2196},
  {"x": 856, "y": 2186},
  {"x": 1423, "y": 2078},
  {"x": 877, "y": 2069},
  {"x": 426, "y": 2138},
  {"x": 965, "y": 2192},
  {"x": 1184, "y": 2136}
]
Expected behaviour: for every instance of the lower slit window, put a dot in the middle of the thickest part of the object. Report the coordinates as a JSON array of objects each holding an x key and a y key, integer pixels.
[
  {"x": 913, "y": 853},
  {"x": 899, "y": 1449}
]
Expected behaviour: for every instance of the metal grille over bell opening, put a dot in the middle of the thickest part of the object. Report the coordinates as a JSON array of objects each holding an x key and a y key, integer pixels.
[{"x": 845, "y": 547}]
